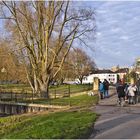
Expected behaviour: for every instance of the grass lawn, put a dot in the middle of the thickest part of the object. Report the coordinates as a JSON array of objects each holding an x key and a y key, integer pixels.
[
  {"x": 18, "y": 88},
  {"x": 20, "y": 92},
  {"x": 67, "y": 125},
  {"x": 71, "y": 124},
  {"x": 81, "y": 100}
]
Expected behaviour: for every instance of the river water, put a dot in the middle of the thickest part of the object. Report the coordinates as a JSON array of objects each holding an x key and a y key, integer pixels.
[{"x": 3, "y": 115}]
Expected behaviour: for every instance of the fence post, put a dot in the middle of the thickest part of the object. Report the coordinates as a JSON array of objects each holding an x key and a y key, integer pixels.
[
  {"x": 15, "y": 97},
  {"x": 32, "y": 97},
  {"x": 69, "y": 103},
  {"x": 0, "y": 95},
  {"x": 49, "y": 101},
  {"x": 88, "y": 86},
  {"x": 55, "y": 93},
  {"x": 26, "y": 95},
  {"x": 21, "y": 95},
  {"x": 69, "y": 90},
  {"x": 11, "y": 96}
]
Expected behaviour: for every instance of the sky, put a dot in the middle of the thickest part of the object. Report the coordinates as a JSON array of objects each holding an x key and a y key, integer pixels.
[{"x": 118, "y": 32}]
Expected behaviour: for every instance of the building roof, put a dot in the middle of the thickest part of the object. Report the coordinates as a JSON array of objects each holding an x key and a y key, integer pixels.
[
  {"x": 123, "y": 70},
  {"x": 103, "y": 71}
]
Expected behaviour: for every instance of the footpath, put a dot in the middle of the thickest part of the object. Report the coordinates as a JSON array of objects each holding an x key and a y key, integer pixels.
[{"x": 116, "y": 122}]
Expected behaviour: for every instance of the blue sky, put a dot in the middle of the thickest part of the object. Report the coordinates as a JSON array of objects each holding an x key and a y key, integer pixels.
[{"x": 118, "y": 32}]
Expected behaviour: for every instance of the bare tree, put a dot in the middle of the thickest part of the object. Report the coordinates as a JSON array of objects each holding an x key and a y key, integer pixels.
[
  {"x": 67, "y": 72},
  {"x": 45, "y": 31},
  {"x": 10, "y": 67},
  {"x": 82, "y": 64}
]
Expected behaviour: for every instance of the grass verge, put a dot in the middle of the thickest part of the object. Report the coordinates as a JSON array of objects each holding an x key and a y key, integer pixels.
[
  {"x": 72, "y": 124},
  {"x": 81, "y": 100},
  {"x": 62, "y": 125}
]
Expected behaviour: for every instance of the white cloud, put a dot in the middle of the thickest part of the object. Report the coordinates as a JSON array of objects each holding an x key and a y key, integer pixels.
[
  {"x": 114, "y": 30},
  {"x": 118, "y": 24},
  {"x": 99, "y": 34},
  {"x": 118, "y": 32},
  {"x": 124, "y": 37}
]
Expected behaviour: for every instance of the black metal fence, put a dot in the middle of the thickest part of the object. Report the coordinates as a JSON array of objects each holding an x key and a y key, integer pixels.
[
  {"x": 54, "y": 92},
  {"x": 68, "y": 90},
  {"x": 15, "y": 97}
]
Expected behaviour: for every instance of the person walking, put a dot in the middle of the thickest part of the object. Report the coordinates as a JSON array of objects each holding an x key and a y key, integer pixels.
[
  {"x": 121, "y": 92},
  {"x": 101, "y": 89},
  {"x": 125, "y": 90},
  {"x": 131, "y": 93},
  {"x": 136, "y": 95},
  {"x": 106, "y": 88}
]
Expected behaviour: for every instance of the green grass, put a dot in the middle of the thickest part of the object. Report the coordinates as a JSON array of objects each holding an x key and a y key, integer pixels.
[
  {"x": 19, "y": 92},
  {"x": 13, "y": 85},
  {"x": 73, "y": 88},
  {"x": 81, "y": 100},
  {"x": 71, "y": 124},
  {"x": 60, "y": 89},
  {"x": 67, "y": 125},
  {"x": 18, "y": 88}
]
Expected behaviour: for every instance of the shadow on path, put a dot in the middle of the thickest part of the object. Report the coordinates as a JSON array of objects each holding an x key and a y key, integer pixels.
[{"x": 116, "y": 122}]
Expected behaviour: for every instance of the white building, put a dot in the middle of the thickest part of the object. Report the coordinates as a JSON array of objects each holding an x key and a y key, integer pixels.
[
  {"x": 122, "y": 72},
  {"x": 101, "y": 74}
]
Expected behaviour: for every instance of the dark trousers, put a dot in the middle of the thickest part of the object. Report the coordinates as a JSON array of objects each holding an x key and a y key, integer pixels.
[
  {"x": 136, "y": 99},
  {"x": 131, "y": 99},
  {"x": 101, "y": 95}
]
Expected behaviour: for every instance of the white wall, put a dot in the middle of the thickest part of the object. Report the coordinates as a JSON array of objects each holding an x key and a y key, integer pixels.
[{"x": 108, "y": 76}]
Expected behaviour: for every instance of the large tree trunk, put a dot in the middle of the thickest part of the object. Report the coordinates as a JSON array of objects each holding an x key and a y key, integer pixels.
[
  {"x": 81, "y": 80},
  {"x": 44, "y": 90},
  {"x": 40, "y": 89},
  {"x": 43, "y": 86}
]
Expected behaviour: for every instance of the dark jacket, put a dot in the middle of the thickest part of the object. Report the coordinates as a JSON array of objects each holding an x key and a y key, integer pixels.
[
  {"x": 120, "y": 90},
  {"x": 106, "y": 85}
]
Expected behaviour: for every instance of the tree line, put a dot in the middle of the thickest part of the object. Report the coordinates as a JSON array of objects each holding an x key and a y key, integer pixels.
[{"x": 42, "y": 34}]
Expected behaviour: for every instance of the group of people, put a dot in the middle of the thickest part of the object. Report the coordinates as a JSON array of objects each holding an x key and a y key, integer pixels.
[
  {"x": 127, "y": 92},
  {"x": 103, "y": 89}
]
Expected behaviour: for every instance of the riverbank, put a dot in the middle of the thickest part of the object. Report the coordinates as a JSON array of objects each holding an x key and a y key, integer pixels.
[
  {"x": 3, "y": 115},
  {"x": 74, "y": 123}
]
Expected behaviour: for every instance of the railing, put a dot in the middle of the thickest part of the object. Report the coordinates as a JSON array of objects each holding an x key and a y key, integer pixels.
[
  {"x": 54, "y": 93},
  {"x": 20, "y": 108},
  {"x": 68, "y": 90}
]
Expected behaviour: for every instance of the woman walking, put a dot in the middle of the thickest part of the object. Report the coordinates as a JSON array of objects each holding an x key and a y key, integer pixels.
[
  {"x": 131, "y": 93},
  {"x": 101, "y": 89}
]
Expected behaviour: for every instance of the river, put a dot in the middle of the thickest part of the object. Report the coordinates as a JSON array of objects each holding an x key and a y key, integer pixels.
[{"x": 3, "y": 115}]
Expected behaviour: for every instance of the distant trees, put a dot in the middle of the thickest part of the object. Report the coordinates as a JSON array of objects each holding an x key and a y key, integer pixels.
[
  {"x": 132, "y": 75},
  {"x": 77, "y": 65},
  {"x": 10, "y": 67},
  {"x": 44, "y": 32},
  {"x": 82, "y": 63}
]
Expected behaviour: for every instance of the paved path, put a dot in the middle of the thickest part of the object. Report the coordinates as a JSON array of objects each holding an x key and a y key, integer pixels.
[{"x": 116, "y": 122}]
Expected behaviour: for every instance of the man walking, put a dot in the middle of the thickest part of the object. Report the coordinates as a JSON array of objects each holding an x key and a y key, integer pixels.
[
  {"x": 121, "y": 92},
  {"x": 106, "y": 88}
]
